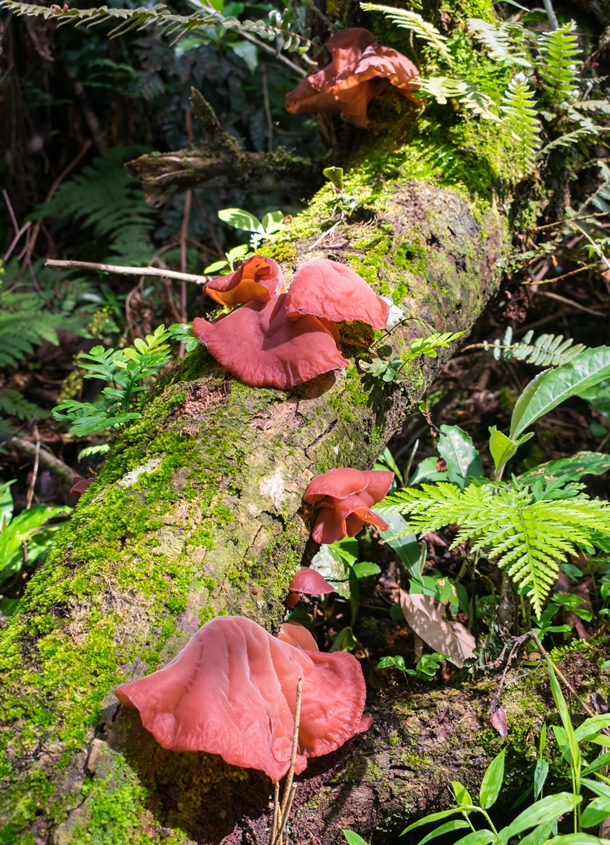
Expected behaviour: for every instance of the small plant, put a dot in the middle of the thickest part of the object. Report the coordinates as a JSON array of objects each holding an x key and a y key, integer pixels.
[
  {"x": 425, "y": 669},
  {"x": 24, "y": 539},
  {"x": 125, "y": 372},
  {"x": 345, "y": 202},
  {"x": 530, "y": 524},
  {"x": 245, "y": 222},
  {"x": 391, "y": 369}
]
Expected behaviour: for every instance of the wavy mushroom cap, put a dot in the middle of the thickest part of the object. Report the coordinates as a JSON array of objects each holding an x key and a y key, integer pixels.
[
  {"x": 345, "y": 497},
  {"x": 262, "y": 348},
  {"x": 309, "y": 581},
  {"x": 333, "y": 291},
  {"x": 353, "y": 76},
  {"x": 80, "y": 484},
  {"x": 297, "y": 635},
  {"x": 258, "y": 278},
  {"x": 232, "y": 691}
]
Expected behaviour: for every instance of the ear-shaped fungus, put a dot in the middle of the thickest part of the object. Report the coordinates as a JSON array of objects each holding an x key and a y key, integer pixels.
[
  {"x": 80, "y": 484},
  {"x": 258, "y": 278},
  {"x": 297, "y": 635},
  {"x": 232, "y": 692},
  {"x": 308, "y": 580},
  {"x": 345, "y": 497},
  {"x": 357, "y": 68},
  {"x": 262, "y": 348},
  {"x": 334, "y": 292}
]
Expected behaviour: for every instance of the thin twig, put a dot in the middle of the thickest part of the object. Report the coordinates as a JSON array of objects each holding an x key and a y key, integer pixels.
[
  {"x": 128, "y": 271},
  {"x": 559, "y": 278},
  {"x": 16, "y": 240},
  {"x": 10, "y": 211},
  {"x": 267, "y": 106},
  {"x": 569, "y": 302},
  {"x": 30, "y": 496},
  {"x": 281, "y": 813},
  {"x": 323, "y": 235}
]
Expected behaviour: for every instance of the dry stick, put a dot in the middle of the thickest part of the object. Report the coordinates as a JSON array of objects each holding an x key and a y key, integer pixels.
[
  {"x": 30, "y": 496},
  {"x": 55, "y": 465},
  {"x": 183, "y": 236},
  {"x": 10, "y": 211},
  {"x": 559, "y": 278},
  {"x": 128, "y": 271},
  {"x": 289, "y": 789},
  {"x": 570, "y": 302},
  {"x": 16, "y": 240}
]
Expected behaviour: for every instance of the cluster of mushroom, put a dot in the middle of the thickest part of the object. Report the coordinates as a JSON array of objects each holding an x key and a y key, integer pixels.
[
  {"x": 357, "y": 71},
  {"x": 279, "y": 339}
]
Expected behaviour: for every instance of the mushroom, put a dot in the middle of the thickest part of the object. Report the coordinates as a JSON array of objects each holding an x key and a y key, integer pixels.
[
  {"x": 258, "y": 278},
  {"x": 333, "y": 291},
  {"x": 232, "y": 691},
  {"x": 80, "y": 485},
  {"x": 262, "y": 348},
  {"x": 353, "y": 76},
  {"x": 306, "y": 580},
  {"x": 297, "y": 635},
  {"x": 345, "y": 497}
]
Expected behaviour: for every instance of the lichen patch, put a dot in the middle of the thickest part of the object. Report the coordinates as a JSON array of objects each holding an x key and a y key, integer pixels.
[
  {"x": 273, "y": 487},
  {"x": 130, "y": 479}
]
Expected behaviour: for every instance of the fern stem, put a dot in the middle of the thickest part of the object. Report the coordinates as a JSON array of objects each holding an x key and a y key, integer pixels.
[
  {"x": 129, "y": 271},
  {"x": 548, "y": 7}
]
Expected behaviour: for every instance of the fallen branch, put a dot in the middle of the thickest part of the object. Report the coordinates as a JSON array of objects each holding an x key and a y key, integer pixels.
[
  {"x": 57, "y": 467},
  {"x": 129, "y": 271}
]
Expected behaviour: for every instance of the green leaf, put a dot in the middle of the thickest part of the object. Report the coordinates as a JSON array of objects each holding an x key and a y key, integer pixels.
[
  {"x": 492, "y": 781},
  {"x": 427, "y": 471},
  {"x": 353, "y": 838},
  {"x": 502, "y": 448},
  {"x": 552, "y": 387},
  {"x": 545, "y": 811},
  {"x": 598, "y": 763},
  {"x": 405, "y": 545},
  {"x": 460, "y": 455},
  {"x": 540, "y": 775},
  {"x": 241, "y": 219},
  {"x": 366, "y": 568},
  {"x": 595, "y": 813},
  {"x": 538, "y": 836},
  {"x": 462, "y": 796},
  {"x": 578, "y": 839},
  {"x": 6, "y": 503},
  {"x": 456, "y": 824},
  {"x": 397, "y": 662},
  {"x": 477, "y": 837},
  {"x": 334, "y": 175},
  {"x": 344, "y": 641},
  {"x": 272, "y": 222},
  {"x": 434, "y": 817},
  {"x": 593, "y": 725},
  {"x": 568, "y": 469},
  {"x": 562, "y": 707}
]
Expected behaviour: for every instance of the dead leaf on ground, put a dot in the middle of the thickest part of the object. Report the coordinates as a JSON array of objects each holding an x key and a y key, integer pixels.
[{"x": 426, "y": 616}]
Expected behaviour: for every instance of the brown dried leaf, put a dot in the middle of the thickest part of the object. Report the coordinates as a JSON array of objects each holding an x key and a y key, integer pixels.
[
  {"x": 425, "y": 616},
  {"x": 499, "y": 718}
]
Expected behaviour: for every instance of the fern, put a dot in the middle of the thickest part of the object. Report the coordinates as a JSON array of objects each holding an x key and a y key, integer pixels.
[
  {"x": 527, "y": 537},
  {"x": 166, "y": 22},
  {"x": 497, "y": 40},
  {"x": 558, "y": 70},
  {"x": 520, "y": 119},
  {"x": 548, "y": 350},
  {"x": 466, "y": 93},
  {"x": 405, "y": 19},
  {"x": 103, "y": 196}
]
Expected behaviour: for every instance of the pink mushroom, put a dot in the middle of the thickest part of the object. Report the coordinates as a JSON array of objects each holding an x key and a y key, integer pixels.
[
  {"x": 232, "y": 691},
  {"x": 258, "y": 278},
  {"x": 297, "y": 635},
  {"x": 80, "y": 484},
  {"x": 356, "y": 72},
  {"x": 262, "y": 348},
  {"x": 308, "y": 580},
  {"x": 333, "y": 291},
  {"x": 345, "y": 497}
]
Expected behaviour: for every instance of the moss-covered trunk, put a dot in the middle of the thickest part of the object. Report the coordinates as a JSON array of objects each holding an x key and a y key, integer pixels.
[{"x": 198, "y": 511}]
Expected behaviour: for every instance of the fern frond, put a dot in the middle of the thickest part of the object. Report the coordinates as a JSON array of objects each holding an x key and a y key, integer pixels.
[
  {"x": 14, "y": 404},
  {"x": 103, "y": 196},
  {"x": 406, "y": 19},
  {"x": 466, "y": 93},
  {"x": 520, "y": 119},
  {"x": 568, "y": 139},
  {"x": 527, "y": 538},
  {"x": 497, "y": 40},
  {"x": 559, "y": 50},
  {"x": 168, "y": 23},
  {"x": 548, "y": 350},
  {"x": 602, "y": 106}
]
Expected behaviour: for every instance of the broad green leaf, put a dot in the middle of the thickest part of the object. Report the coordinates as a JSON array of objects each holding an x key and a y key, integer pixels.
[
  {"x": 366, "y": 568},
  {"x": 353, "y": 838},
  {"x": 344, "y": 641},
  {"x": 272, "y": 222},
  {"x": 592, "y": 726},
  {"x": 477, "y": 837},
  {"x": 435, "y": 817},
  {"x": 406, "y": 546},
  {"x": 492, "y": 781},
  {"x": 462, "y": 796},
  {"x": 216, "y": 266},
  {"x": 600, "y": 788},
  {"x": 545, "y": 811},
  {"x": 540, "y": 775},
  {"x": 397, "y": 662},
  {"x": 538, "y": 835},
  {"x": 328, "y": 562},
  {"x": 427, "y": 471},
  {"x": 595, "y": 812},
  {"x": 502, "y": 448},
  {"x": 598, "y": 763},
  {"x": 552, "y": 387},
  {"x": 334, "y": 175},
  {"x": 241, "y": 219},
  {"x": 6, "y": 503},
  {"x": 578, "y": 839},
  {"x": 460, "y": 455},
  {"x": 456, "y": 824},
  {"x": 568, "y": 469}
]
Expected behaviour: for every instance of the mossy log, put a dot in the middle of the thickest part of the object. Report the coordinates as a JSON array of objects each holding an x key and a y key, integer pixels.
[{"x": 198, "y": 511}]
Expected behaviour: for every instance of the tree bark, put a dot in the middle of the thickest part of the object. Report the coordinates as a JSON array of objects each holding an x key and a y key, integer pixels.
[{"x": 198, "y": 511}]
